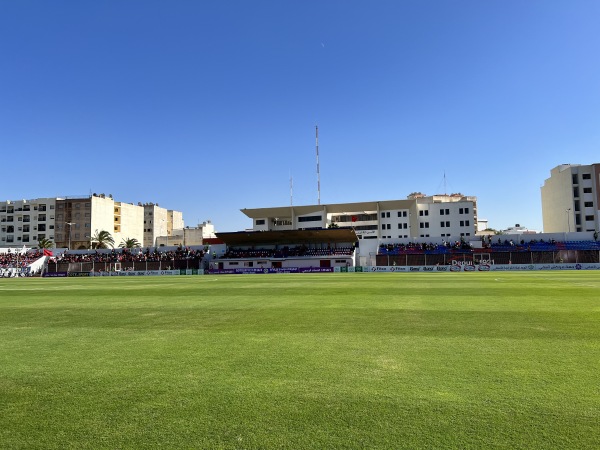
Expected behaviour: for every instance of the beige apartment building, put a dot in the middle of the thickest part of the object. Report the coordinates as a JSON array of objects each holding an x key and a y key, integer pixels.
[
  {"x": 570, "y": 198},
  {"x": 73, "y": 221},
  {"x": 79, "y": 219}
]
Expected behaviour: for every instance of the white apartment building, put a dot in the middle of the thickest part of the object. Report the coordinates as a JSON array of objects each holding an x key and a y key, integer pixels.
[
  {"x": 25, "y": 222},
  {"x": 72, "y": 222},
  {"x": 570, "y": 199}
]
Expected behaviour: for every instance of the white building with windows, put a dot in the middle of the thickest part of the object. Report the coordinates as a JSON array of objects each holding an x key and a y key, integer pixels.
[
  {"x": 25, "y": 222},
  {"x": 71, "y": 222},
  {"x": 570, "y": 199},
  {"x": 419, "y": 218}
]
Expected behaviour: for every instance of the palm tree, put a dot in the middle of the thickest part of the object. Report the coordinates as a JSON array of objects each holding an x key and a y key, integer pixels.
[
  {"x": 102, "y": 239},
  {"x": 45, "y": 243},
  {"x": 130, "y": 243}
]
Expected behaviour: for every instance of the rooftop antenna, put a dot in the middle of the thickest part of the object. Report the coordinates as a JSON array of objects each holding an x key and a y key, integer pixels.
[
  {"x": 318, "y": 171},
  {"x": 445, "y": 190},
  {"x": 291, "y": 189}
]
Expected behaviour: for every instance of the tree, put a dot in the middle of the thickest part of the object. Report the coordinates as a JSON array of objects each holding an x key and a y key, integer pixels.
[
  {"x": 333, "y": 225},
  {"x": 45, "y": 243},
  {"x": 102, "y": 239},
  {"x": 130, "y": 243}
]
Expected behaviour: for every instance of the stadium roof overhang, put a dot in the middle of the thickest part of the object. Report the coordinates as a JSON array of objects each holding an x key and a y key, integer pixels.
[
  {"x": 293, "y": 237},
  {"x": 332, "y": 208}
]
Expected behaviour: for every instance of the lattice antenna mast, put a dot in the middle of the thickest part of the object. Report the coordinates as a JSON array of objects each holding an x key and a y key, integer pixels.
[{"x": 318, "y": 170}]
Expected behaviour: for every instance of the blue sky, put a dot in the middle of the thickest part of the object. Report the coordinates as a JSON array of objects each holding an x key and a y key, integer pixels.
[{"x": 208, "y": 107}]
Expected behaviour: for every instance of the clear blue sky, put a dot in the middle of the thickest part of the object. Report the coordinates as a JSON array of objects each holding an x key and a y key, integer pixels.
[{"x": 207, "y": 107}]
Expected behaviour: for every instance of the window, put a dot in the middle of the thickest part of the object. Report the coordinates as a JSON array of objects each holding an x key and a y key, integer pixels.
[
  {"x": 461, "y": 210},
  {"x": 88, "y": 205},
  {"x": 467, "y": 223},
  {"x": 447, "y": 224},
  {"x": 383, "y": 226},
  {"x": 466, "y": 210},
  {"x": 401, "y": 213},
  {"x": 589, "y": 204},
  {"x": 59, "y": 206},
  {"x": 260, "y": 221},
  {"x": 589, "y": 218},
  {"x": 574, "y": 178},
  {"x": 383, "y": 215},
  {"x": 442, "y": 224},
  {"x": 309, "y": 219},
  {"x": 51, "y": 206},
  {"x": 587, "y": 190},
  {"x": 462, "y": 223},
  {"x": 575, "y": 192},
  {"x": 389, "y": 226},
  {"x": 51, "y": 227},
  {"x": 441, "y": 212},
  {"x": 586, "y": 176}
]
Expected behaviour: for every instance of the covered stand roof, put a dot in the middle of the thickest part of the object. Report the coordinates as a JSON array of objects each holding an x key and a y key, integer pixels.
[{"x": 290, "y": 237}]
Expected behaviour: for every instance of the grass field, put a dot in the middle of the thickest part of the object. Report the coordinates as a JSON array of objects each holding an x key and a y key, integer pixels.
[{"x": 465, "y": 360}]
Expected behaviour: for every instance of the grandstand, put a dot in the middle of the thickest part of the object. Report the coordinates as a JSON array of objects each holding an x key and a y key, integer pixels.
[
  {"x": 317, "y": 250},
  {"x": 21, "y": 263},
  {"x": 501, "y": 251}
]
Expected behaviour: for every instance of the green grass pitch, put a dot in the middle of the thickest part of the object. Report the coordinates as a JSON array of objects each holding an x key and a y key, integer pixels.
[{"x": 415, "y": 361}]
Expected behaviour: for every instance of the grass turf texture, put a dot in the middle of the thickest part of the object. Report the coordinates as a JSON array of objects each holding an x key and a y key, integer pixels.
[{"x": 479, "y": 360}]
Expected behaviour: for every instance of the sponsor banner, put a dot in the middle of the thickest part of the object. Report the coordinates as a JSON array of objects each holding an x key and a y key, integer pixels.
[
  {"x": 135, "y": 273},
  {"x": 79, "y": 274},
  {"x": 484, "y": 268},
  {"x": 189, "y": 272},
  {"x": 55, "y": 274},
  {"x": 257, "y": 270}
]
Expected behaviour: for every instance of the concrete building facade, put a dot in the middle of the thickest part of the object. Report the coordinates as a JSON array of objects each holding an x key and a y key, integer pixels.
[
  {"x": 25, "y": 222},
  {"x": 188, "y": 236},
  {"x": 570, "y": 199},
  {"x": 72, "y": 222}
]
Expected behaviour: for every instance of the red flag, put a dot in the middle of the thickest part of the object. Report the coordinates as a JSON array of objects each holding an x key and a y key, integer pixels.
[
  {"x": 353, "y": 218},
  {"x": 47, "y": 252}
]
